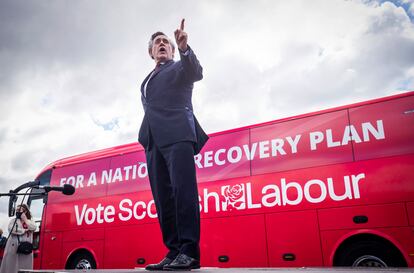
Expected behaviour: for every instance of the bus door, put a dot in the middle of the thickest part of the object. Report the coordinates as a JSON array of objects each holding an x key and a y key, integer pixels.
[{"x": 36, "y": 202}]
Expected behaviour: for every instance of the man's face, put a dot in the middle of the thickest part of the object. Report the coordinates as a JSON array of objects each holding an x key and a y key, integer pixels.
[{"x": 161, "y": 50}]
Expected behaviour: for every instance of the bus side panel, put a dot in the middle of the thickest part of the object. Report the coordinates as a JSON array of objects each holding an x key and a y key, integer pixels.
[
  {"x": 51, "y": 251},
  {"x": 397, "y": 136},
  {"x": 240, "y": 239},
  {"x": 134, "y": 170},
  {"x": 387, "y": 215},
  {"x": 86, "y": 177},
  {"x": 410, "y": 212},
  {"x": 316, "y": 139},
  {"x": 293, "y": 234},
  {"x": 124, "y": 245},
  {"x": 206, "y": 161},
  {"x": 81, "y": 235}
]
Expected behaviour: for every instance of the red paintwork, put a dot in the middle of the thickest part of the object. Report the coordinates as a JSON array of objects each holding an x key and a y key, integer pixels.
[
  {"x": 300, "y": 237},
  {"x": 410, "y": 212},
  {"x": 219, "y": 172},
  {"x": 304, "y": 157},
  {"x": 257, "y": 202}
]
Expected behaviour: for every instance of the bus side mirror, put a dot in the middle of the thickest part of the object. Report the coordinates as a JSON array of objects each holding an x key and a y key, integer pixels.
[{"x": 12, "y": 205}]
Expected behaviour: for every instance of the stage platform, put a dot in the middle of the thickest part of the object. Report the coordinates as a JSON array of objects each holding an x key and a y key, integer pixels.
[{"x": 242, "y": 270}]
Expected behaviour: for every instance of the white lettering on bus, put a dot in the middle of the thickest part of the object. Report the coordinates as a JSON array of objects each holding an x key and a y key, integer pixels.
[
  {"x": 250, "y": 152},
  {"x": 139, "y": 210},
  {"x": 307, "y": 191},
  {"x": 315, "y": 138},
  {"x": 216, "y": 198},
  {"x": 232, "y": 155},
  {"x": 294, "y": 143},
  {"x": 92, "y": 179},
  {"x": 329, "y": 139},
  {"x": 106, "y": 176},
  {"x": 271, "y": 192},
  {"x": 149, "y": 210},
  {"x": 264, "y": 149},
  {"x": 109, "y": 214},
  {"x": 123, "y": 209},
  {"x": 117, "y": 175},
  {"x": 217, "y": 157},
  {"x": 347, "y": 193},
  {"x": 355, "y": 185},
  {"x": 142, "y": 170},
  {"x": 235, "y": 154},
  {"x": 91, "y": 214},
  {"x": 79, "y": 217},
  {"x": 249, "y": 194},
  {"x": 142, "y": 214},
  {"x": 76, "y": 181},
  {"x": 287, "y": 193},
  {"x": 368, "y": 128},
  {"x": 208, "y": 156},
  {"x": 277, "y": 146},
  {"x": 127, "y": 169},
  {"x": 285, "y": 186},
  {"x": 349, "y": 134}
]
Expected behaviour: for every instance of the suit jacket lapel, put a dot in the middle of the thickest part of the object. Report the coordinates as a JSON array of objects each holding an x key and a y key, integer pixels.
[
  {"x": 161, "y": 68},
  {"x": 154, "y": 73},
  {"x": 143, "y": 83}
]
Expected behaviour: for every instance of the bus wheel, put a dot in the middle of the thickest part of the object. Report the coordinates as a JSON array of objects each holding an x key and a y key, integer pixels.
[
  {"x": 82, "y": 260},
  {"x": 370, "y": 254}
]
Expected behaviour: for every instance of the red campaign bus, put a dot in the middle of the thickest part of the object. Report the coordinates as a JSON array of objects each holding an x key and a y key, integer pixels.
[{"x": 329, "y": 188}]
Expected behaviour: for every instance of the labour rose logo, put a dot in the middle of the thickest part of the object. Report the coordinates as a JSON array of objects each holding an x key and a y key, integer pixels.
[{"x": 234, "y": 197}]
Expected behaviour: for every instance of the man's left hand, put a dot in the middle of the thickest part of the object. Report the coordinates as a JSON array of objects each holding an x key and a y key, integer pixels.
[{"x": 181, "y": 37}]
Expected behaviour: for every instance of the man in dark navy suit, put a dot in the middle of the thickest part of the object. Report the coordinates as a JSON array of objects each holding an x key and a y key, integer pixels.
[{"x": 171, "y": 137}]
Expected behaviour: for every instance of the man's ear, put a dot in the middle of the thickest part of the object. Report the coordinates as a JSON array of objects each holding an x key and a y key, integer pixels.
[
  {"x": 173, "y": 51},
  {"x": 150, "y": 52}
]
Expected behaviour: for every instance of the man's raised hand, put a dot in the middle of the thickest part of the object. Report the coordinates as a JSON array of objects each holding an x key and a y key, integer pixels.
[{"x": 181, "y": 37}]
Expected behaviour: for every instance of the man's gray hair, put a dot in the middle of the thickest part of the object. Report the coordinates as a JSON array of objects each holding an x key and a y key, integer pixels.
[{"x": 155, "y": 35}]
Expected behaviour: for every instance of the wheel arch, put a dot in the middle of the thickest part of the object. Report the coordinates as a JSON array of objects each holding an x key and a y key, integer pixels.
[
  {"x": 83, "y": 250},
  {"x": 360, "y": 235}
]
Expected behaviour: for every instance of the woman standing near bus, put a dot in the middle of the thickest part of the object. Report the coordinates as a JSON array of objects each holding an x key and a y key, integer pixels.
[{"x": 21, "y": 228}]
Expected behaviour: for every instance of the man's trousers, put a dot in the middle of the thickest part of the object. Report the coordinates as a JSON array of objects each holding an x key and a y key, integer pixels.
[{"x": 172, "y": 175}]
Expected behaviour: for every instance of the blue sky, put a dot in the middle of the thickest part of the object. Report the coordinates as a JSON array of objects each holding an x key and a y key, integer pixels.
[{"x": 407, "y": 5}]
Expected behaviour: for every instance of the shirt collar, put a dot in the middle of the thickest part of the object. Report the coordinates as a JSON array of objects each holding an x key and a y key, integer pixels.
[{"x": 164, "y": 62}]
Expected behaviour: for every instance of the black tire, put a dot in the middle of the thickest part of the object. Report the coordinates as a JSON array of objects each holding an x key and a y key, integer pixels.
[
  {"x": 82, "y": 261},
  {"x": 370, "y": 254}
]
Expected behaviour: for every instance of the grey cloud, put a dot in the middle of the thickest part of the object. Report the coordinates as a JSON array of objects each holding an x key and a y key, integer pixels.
[
  {"x": 3, "y": 133},
  {"x": 48, "y": 36},
  {"x": 236, "y": 83},
  {"x": 379, "y": 60},
  {"x": 22, "y": 162}
]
